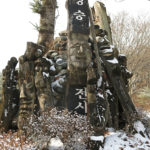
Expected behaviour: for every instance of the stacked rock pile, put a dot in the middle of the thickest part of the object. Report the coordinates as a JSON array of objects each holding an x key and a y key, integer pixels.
[{"x": 58, "y": 68}]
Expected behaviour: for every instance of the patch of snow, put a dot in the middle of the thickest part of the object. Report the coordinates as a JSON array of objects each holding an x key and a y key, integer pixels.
[
  {"x": 122, "y": 55},
  {"x": 13, "y": 105},
  {"x": 59, "y": 60},
  {"x": 99, "y": 39},
  {"x": 62, "y": 79},
  {"x": 52, "y": 68},
  {"x": 138, "y": 126},
  {"x": 17, "y": 139},
  {"x": 107, "y": 51},
  {"x": 39, "y": 50},
  {"x": 6, "y": 112},
  {"x": 55, "y": 144},
  {"x": 97, "y": 138},
  {"x": 119, "y": 140},
  {"x": 111, "y": 130},
  {"x": 128, "y": 71},
  {"x": 49, "y": 60},
  {"x": 112, "y": 46},
  {"x": 100, "y": 95},
  {"x": 56, "y": 83},
  {"x": 107, "y": 84},
  {"x": 99, "y": 82},
  {"x": 108, "y": 91},
  {"x": 148, "y": 114},
  {"x": 113, "y": 61},
  {"x": 11, "y": 75},
  {"x": 45, "y": 74},
  {"x": 100, "y": 117},
  {"x": 103, "y": 118},
  {"x": 101, "y": 108}
]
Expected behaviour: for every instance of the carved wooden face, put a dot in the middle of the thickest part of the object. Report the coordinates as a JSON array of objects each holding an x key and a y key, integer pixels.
[
  {"x": 29, "y": 54},
  {"x": 39, "y": 78},
  {"x": 13, "y": 62},
  {"x": 79, "y": 54},
  {"x": 27, "y": 90}
]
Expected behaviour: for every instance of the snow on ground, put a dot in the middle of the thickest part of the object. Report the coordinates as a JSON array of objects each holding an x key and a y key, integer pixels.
[
  {"x": 119, "y": 140},
  {"x": 146, "y": 114},
  {"x": 114, "y": 140}
]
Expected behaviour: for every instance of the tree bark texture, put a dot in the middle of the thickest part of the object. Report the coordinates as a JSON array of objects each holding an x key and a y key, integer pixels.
[
  {"x": 112, "y": 67},
  {"x": 102, "y": 19},
  {"x": 47, "y": 23},
  {"x": 10, "y": 95}
]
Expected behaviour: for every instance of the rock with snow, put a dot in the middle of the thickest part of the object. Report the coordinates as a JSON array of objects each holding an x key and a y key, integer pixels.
[
  {"x": 139, "y": 126},
  {"x": 55, "y": 144},
  {"x": 113, "y": 61}
]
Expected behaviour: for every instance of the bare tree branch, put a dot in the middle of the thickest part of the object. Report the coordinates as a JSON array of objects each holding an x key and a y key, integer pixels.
[{"x": 131, "y": 36}]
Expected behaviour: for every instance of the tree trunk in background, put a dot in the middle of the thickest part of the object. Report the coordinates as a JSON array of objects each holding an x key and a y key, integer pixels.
[{"x": 47, "y": 23}]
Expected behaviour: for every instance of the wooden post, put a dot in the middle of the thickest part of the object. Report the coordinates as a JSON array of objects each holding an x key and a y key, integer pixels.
[
  {"x": 102, "y": 19},
  {"x": 47, "y": 23},
  {"x": 79, "y": 53},
  {"x": 10, "y": 95},
  {"x": 98, "y": 60}
]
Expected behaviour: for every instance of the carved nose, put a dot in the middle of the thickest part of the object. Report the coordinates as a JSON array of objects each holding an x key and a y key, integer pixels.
[
  {"x": 81, "y": 49},
  {"x": 22, "y": 92}
]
